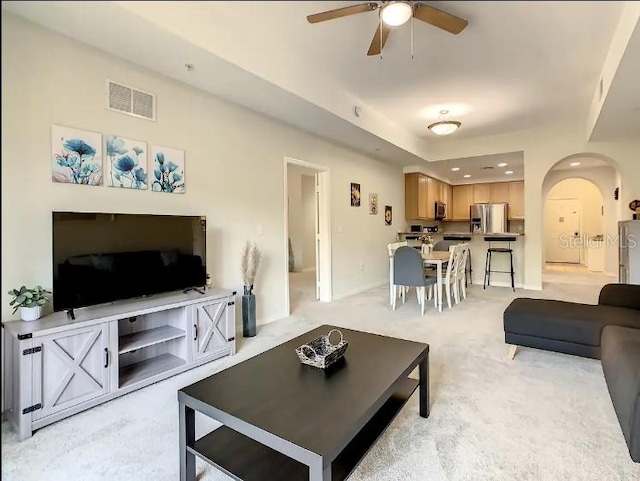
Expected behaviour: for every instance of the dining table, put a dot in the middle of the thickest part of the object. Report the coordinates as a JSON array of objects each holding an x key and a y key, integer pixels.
[{"x": 435, "y": 258}]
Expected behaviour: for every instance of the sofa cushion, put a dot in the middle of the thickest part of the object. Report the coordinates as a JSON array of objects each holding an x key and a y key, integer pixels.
[
  {"x": 565, "y": 321},
  {"x": 621, "y": 366},
  {"x": 620, "y": 295}
]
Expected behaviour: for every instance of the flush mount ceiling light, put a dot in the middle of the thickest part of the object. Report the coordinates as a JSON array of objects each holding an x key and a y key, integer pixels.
[
  {"x": 509, "y": 172},
  {"x": 574, "y": 164},
  {"x": 502, "y": 164},
  {"x": 395, "y": 14},
  {"x": 466, "y": 176},
  {"x": 444, "y": 127},
  {"x": 455, "y": 169}
]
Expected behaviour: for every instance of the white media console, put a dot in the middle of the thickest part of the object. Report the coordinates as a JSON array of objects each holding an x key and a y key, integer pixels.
[{"x": 59, "y": 366}]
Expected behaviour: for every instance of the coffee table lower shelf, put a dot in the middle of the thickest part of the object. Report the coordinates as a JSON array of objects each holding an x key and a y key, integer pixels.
[{"x": 244, "y": 459}]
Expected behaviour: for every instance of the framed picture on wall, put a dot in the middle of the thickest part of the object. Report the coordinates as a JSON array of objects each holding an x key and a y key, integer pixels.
[
  {"x": 168, "y": 170},
  {"x": 355, "y": 195},
  {"x": 388, "y": 215},
  {"x": 373, "y": 204},
  {"x": 76, "y": 156},
  {"x": 127, "y": 163}
]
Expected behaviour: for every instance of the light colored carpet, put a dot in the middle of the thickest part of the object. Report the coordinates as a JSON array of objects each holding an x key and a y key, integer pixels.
[{"x": 543, "y": 416}]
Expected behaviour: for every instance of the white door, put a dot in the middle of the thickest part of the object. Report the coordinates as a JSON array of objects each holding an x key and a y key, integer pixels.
[
  {"x": 71, "y": 368},
  {"x": 562, "y": 228},
  {"x": 210, "y": 328}
]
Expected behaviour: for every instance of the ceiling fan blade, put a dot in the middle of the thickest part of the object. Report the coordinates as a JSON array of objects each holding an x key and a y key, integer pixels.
[
  {"x": 439, "y": 19},
  {"x": 341, "y": 12},
  {"x": 374, "y": 48}
]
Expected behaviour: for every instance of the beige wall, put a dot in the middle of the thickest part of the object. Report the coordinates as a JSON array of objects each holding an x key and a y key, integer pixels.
[{"x": 234, "y": 169}]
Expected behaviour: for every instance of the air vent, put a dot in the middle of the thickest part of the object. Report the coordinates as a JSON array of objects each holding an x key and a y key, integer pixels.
[
  {"x": 486, "y": 168},
  {"x": 130, "y": 101}
]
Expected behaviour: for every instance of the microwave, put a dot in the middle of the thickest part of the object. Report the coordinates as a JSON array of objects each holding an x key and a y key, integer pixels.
[{"x": 441, "y": 211}]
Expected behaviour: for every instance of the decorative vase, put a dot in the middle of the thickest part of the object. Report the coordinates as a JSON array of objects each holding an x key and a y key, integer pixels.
[
  {"x": 248, "y": 315},
  {"x": 30, "y": 313}
]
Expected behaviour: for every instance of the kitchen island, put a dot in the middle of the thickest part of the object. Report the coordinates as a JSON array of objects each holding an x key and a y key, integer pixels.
[{"x": 500, "y": 262}]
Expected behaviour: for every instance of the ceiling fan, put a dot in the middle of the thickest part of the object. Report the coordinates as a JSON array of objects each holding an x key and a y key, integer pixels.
[{"x": 393, "y": 14}]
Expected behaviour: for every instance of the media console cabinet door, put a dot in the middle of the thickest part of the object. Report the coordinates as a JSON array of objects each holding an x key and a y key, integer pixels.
[
  {"x": 210, "y": 328},
  {"x": 71, "y": 368}
]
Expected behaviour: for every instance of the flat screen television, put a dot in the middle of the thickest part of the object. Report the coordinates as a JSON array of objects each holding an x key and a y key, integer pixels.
[{"x": 104, "y": 257}]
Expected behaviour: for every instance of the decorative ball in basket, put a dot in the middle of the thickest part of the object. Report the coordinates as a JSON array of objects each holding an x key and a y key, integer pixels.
[{"x": 321, "y": 352}]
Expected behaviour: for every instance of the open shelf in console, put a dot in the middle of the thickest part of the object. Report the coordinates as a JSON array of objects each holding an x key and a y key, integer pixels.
[
  {"x": 149, "y": 337},
  {"x": 151, "y": 344},
  {"x": 139, "y": 371}
]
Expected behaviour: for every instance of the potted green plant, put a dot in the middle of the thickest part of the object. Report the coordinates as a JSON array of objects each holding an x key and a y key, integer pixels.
[
  {"x": 249, "y": 267},
  {"x": 29, "y": 301}
]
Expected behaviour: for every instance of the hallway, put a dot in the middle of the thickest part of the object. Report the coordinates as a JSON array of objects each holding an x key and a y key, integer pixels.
[{"x": 302, "y": 290}]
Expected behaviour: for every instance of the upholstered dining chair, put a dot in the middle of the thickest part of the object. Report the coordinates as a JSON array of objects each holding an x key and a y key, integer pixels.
[
  {"x": 391, "y": 248},
  {"x": 408, "y": 271}
]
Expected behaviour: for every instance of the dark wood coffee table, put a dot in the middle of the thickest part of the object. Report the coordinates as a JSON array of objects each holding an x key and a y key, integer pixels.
[{"x": 285, "y": 421}]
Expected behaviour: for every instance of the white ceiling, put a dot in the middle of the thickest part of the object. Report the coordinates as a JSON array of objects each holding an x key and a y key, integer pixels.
[
  {"x": 516, "y": 66},
  {"x": 483, "y": 168}
]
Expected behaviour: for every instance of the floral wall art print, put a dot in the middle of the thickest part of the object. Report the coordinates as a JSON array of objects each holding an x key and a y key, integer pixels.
[
  {"x": 127, "y": 163},
  {"x": 77, "y": 156},
  {"x": 168, "y": 170}
]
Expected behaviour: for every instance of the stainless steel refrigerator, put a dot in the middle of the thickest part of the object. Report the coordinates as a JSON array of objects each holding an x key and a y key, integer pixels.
[
  {"x": 489, "y": 218},
  {"x": 629, "y": 258}
]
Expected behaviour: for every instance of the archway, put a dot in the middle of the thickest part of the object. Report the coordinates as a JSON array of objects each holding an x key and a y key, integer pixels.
[{"x": 580, "y": 216}]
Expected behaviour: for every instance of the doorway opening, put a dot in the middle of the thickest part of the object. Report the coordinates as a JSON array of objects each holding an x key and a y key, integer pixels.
[
  {"x": 308, "y": 278},
  {"x": 574, "y": 231}
]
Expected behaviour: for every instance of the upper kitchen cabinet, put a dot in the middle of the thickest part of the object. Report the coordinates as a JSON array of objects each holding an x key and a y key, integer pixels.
[
  {"x": 516, "y": 200},
  {"x": 500, "y": 192},
  {"x": 481, "y": 193},
  {"x": 447, "y": 198},
  {"x": 415, "y": 197},
  {"x": 461, "y": 200},
  {"x": 433, "y": 195}
]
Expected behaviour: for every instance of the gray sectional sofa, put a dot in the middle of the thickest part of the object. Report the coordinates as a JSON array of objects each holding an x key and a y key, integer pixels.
[{"x": 609, "y": 331}]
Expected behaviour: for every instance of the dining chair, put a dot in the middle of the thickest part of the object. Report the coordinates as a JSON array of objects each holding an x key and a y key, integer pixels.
[
  {"x": 450, "y": 278},
  {"x": 391, "y": 248},
  {"x": 460, "y": 284},
  {"x": 408, "y": 271}
]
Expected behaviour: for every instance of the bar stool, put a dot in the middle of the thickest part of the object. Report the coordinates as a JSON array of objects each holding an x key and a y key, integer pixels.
[{"x": 498, "y": 250}]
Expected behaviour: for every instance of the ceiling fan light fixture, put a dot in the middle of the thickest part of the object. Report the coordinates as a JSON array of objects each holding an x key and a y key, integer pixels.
[
  {"x": 396, "y": 13},
  {"x": 444, "y": 127}
]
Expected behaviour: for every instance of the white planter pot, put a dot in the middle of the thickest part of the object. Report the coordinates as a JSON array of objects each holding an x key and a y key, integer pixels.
[{"x": 30, "y": 313}]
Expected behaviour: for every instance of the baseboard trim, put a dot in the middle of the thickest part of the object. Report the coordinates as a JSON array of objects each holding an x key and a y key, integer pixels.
[{"x": 359, "y": 290}]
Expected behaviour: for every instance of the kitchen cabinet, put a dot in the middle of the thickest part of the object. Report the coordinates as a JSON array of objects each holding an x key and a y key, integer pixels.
[
  {"x": 415, "y": 196},
  {"x": 462, "y": 198},
  {"x": 499, "y": 192},
  {"x": 447, "y": 198},
  {"x": 421, "y": 193},
  {"x": 481, "y": 193},
  {"x": 516, "y": 200},
  {"x": 433, "y": 192}
]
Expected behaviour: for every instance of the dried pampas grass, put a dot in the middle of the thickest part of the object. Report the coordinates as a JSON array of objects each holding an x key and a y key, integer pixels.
[{"x": 249, "y": 265}]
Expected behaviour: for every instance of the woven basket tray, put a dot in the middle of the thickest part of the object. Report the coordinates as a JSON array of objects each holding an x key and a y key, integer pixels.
[{"x": 320, "y": 352}]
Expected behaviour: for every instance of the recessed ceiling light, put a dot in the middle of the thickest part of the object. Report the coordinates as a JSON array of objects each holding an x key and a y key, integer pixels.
[
  {"x": 466, "y": 176},
  {"x": 455, "y": 169},
  {"x": 502, "y": 164},
  {"x": 574, "y": 164},
  {"x": 509, "y": 172}
]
